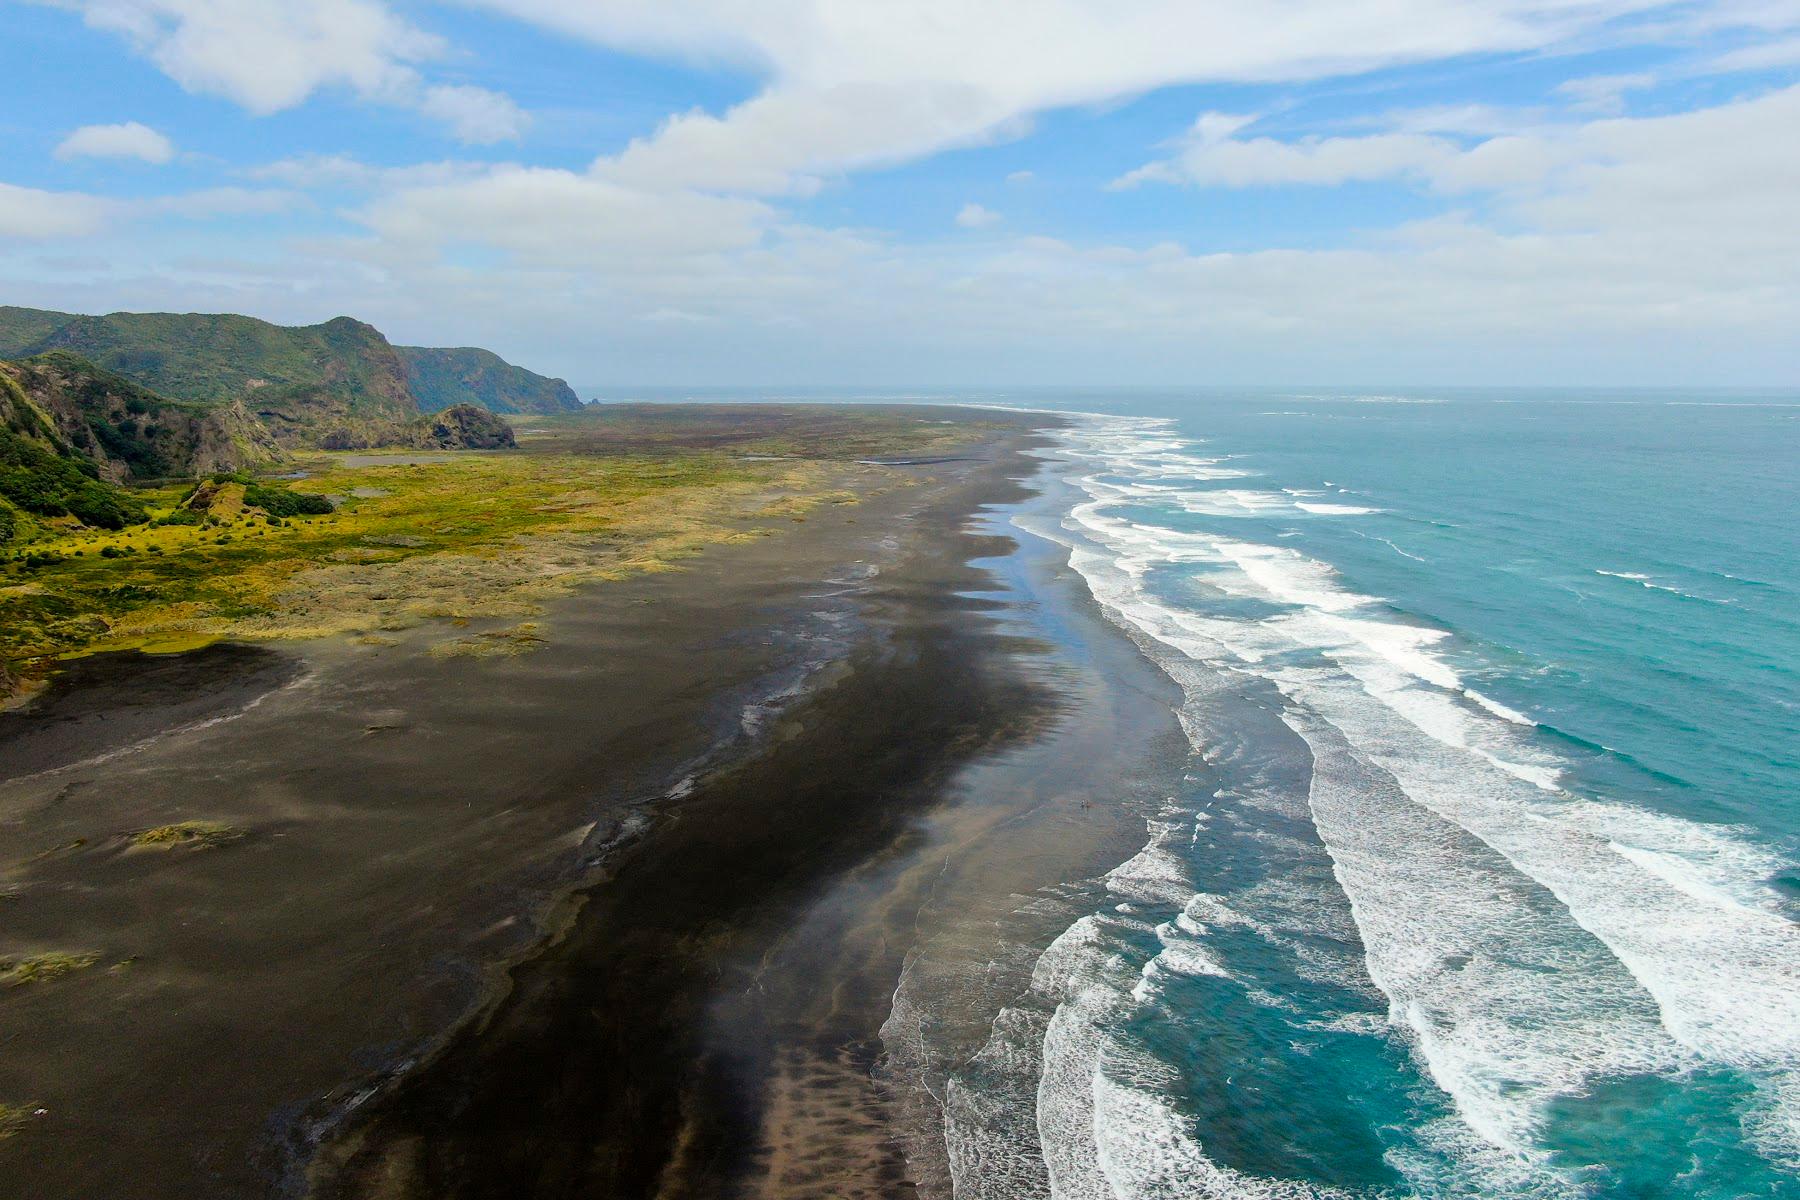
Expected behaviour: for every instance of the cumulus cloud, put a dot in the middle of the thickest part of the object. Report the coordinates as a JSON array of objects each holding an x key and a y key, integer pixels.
[
  {"x": 1211, "y": 157},
  {"x": 270, "y": 55},
  {"x": 129, "y": 140},
  {"x": 974, "y": 216},
  {"x": 267, "y": 55}
]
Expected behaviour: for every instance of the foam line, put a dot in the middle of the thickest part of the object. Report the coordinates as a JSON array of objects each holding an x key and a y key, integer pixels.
[{"x": 1675, "y": 910}]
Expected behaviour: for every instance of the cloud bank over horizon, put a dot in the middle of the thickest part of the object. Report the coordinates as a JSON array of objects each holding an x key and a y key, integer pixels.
[{"x": 696, "y": 191}]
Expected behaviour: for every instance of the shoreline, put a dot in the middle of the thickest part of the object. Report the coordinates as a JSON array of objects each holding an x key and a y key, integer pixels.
[
  {"x": 725, "y": 1015},
  {"x": 355, "y": 786},
  {"x": 598, "y": 1073}
]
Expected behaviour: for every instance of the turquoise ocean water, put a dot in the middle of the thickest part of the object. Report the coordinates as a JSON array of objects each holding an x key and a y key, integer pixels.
[{"x": 1485, "y": 879}]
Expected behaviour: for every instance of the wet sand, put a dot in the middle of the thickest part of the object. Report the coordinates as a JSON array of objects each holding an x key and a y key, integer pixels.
[
  {"x": 766, "y": 996},
  {"x": 759, "y": 804}
]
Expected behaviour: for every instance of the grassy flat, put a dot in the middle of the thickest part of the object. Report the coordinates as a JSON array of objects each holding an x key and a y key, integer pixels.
[{"x": 461, "y": 537}]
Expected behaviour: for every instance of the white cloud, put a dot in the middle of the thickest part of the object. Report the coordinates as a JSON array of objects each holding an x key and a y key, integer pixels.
[
  {"x": 1626, "y": 240},
  {"x": 1605, "y": 93},
  {"x": 1616, "y": 244},
  {"x": 270, "y": 55},
  {"x": 224, "y": 202},
  {"x": 129, "y": 140},
  {"x": 316, "y": 172},
  {"x": 1727, "y": 154},
  {"x": 974, "y": 216},
  {"x": 476, "y": 115},
  {"x": 1210, "y": 161},
  {"x": 854, "y": 84},
  {"x": 547, "y": 216},
  {"x": 31, "y": 213},
  {"x": 1761, "y": 56},
  {"x": 1019, "y": 177},
  {"x": 267, "y": 55}
]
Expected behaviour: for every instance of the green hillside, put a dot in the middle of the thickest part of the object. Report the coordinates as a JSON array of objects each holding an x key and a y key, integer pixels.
[
  {"x": 44, "y": 477},
  {"x": 467, "y": 375},
  {"x": 297, "y": 379},
  {"x": 129, "y": 432},
  {"x": 23, "y": 328},
  {"x": 341, "y": 379}
]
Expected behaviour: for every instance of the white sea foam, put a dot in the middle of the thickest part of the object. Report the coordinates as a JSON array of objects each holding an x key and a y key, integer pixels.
[
  {"x": 1646, "y": 581},
  {"x": 1232, "y": 502},
  {"x": 1528, "y": 939},
  {"x": 1390, "y": 544},
  {"x": 1498, "y": 709},
  {"x": 1334, "y": 510}
]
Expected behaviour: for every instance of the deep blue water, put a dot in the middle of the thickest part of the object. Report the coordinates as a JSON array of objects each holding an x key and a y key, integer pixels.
[{"x": 1486, "y": 880}]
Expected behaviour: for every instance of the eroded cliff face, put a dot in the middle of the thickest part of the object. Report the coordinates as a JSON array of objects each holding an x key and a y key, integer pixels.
[
  {"x": 443, "y": 378},
  {"x": 127, "y": 431}
]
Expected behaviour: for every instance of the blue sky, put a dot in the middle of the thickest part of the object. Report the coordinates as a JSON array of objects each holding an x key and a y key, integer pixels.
[{"x": 935, "y": 191}]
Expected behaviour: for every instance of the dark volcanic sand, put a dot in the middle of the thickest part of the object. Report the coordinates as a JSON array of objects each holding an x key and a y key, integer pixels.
[
  {"x": 711, "y": 1023},
  {"x": 101, "y": 706},
  {"x": 595, "y": 1076},
  {"x": 778, "y": 779}
]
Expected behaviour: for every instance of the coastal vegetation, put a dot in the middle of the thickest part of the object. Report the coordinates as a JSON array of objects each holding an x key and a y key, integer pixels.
[
  {"x": 139, "y": 506},
  {"x": 40, "y": 482},
  {"x": 194, "y": 835},
  {"x": 13, "y": 1118},
  {"x": 466, "y": 545},
  {"x": 122, "y": 430},
  {"x": 42, "y": 968}
]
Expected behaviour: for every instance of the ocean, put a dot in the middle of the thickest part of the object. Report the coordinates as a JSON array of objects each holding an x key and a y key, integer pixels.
[{"x": 1483, "y": 874}]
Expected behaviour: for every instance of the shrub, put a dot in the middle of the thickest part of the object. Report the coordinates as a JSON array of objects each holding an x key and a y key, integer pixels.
[
  {"x": 285, "y": 502},
  {"x": 36, "y": 480}
]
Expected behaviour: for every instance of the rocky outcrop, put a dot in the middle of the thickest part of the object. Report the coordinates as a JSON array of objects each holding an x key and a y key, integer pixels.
[{"x": 462, "y": 427}]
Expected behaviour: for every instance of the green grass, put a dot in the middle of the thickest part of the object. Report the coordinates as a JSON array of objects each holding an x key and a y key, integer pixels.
[
  {"x": 483, "y": 536},
  {"x": 42, "y": 968},
  {"x": 14, "y": 1118},
  {"x": 196, "y": 835}
]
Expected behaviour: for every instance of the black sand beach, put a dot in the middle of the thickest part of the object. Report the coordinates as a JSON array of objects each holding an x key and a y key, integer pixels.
[{"x": 746, "y": 800}]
